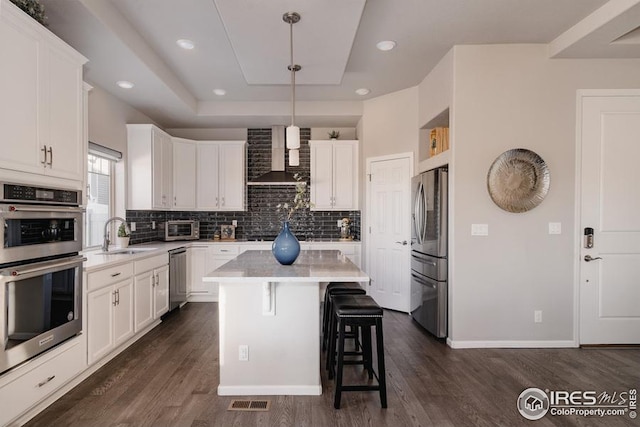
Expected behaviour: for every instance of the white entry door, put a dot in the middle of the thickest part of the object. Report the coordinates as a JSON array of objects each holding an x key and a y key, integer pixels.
[
  {"x": 388, "y": 241},
  {"x": 610, "y": 205}
]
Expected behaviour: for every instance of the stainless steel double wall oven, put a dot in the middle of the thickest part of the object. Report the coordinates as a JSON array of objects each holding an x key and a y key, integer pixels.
[{"x": 40, "y": 270}]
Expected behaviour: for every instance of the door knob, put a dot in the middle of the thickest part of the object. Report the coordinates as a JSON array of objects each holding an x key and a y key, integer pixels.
[
  {"x": 589, "y": 258},
  {"x": 403, "y": 243}
]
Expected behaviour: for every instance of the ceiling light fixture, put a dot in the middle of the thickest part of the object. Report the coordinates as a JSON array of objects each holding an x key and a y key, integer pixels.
[
  {"x": 363, "y": 91},
  {"x": 293, "y": 131},
  {"x": 220, "y": 92},
  {"x": 125, "y": 84},
  {"x": 185, "y": 44},
  {"x": 386, "y": 45}
]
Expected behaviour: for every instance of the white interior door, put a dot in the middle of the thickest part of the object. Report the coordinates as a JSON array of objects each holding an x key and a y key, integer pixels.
[
  {"x": 389, "y": 235},
  {"x": 610, "y": 205}
]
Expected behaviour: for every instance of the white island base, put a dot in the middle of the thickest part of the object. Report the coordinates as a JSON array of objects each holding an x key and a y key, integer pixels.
[{"x": 274, "y": 310}]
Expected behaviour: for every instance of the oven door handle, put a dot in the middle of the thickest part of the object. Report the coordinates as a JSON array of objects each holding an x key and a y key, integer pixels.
[
  {"x": 45, "y": 266},
  {"x": 422, "y": 281},
  {"x": 47, "y": 209}
]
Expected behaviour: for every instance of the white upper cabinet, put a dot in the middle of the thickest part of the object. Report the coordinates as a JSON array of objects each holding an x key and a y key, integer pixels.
[
  {"x": 41, "y": 113},
  {"x": 221, "y": 175},
  {"x": 184, "y": 174},
  {"x": 334, "y": 175},
  {"x": 150, "y": 168}
]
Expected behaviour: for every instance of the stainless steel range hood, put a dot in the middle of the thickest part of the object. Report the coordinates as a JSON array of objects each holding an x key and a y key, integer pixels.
[{"x": 277, "y": 175}]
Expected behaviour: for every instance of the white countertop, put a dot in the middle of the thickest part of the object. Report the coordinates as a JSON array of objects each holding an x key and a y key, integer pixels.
[{"x": 311, "y": 266}]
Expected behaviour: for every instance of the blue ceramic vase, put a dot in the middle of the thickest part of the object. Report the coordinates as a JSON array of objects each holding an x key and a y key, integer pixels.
[{"x": 286, "y": 247}]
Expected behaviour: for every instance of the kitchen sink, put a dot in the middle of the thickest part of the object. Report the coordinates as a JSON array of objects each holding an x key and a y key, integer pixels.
[{"x": 127, "y": 251}]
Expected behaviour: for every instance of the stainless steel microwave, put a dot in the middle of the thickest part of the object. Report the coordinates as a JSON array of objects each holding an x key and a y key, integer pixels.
[{"x": 185, "y": 229}]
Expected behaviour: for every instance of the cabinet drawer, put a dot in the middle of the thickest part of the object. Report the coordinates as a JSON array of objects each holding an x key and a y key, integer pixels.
[
  {"x": 151, "y": 263},
  {"x": 226, "y": 249},
  {"x": 25, "y": 391},
  {"x": 109, "y": 276}
]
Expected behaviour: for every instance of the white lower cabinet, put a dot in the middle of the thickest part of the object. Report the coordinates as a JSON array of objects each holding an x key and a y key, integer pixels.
[
  {"x": 202, "y": 260},
  {"x": 109, "y": 318},
  {"x": 26, "y": 386},
  {"x": 151, "y": 284}
]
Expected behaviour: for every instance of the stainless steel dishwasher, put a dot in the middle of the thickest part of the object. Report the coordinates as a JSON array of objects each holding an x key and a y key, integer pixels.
[{"x": 177, "y": 278}]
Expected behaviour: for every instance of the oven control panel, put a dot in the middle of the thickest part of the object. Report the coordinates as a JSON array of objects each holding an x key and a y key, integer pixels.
[{"x": 28, "y": 194}]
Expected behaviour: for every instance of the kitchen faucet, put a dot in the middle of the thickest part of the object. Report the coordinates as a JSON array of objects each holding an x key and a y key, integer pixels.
[{"x": 105, "y": 243}]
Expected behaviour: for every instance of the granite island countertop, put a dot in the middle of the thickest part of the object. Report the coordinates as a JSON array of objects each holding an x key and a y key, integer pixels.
[{"x": 311, "y": 266}]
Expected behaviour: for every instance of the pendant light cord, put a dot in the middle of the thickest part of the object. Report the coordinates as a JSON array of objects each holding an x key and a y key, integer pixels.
[{"x": 293, "y": 77}]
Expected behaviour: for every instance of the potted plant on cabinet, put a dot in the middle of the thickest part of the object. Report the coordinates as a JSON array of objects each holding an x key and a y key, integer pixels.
[
  {"x": 122, "y": 239},
  {"x": 334, "y": 134}
]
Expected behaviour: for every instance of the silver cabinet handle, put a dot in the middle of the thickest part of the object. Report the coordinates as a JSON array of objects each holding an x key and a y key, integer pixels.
[
  {"x": 114, "y": 299},
  {"x": 50, "y": 156},
  {"x": 48, "y": 380},
  {"x": 44, "y": 151},
  {"x": 116, "y": 274},
  {"x": 589, "y": 258},
  {"x": 403, "y": 243}
]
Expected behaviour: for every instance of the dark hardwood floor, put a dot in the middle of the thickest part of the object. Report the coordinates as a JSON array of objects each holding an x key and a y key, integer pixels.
[{"x": 170, "y": 377}]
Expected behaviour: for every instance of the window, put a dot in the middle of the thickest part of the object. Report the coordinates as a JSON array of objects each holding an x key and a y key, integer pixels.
[{"x": 100, "y": 189}]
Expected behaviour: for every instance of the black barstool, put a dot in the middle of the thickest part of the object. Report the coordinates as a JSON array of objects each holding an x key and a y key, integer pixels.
[
  {"x": 358, "y": 312},
  {"x": 336, "y": 288}
]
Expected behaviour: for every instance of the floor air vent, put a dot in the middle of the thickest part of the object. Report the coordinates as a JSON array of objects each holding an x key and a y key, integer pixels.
[{"x": 249, "y": 405}]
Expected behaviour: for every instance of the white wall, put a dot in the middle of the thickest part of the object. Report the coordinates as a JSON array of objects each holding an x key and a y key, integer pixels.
[
  {"x": 108, "y": 117},
  {"x": 513, "y": 96},
  {"x": 210, "y": 134}
]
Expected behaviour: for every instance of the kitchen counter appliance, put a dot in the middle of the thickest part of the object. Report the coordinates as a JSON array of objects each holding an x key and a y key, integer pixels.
[
  {"x": 429, "y": 289},
  {"x": 184, "y": 229},
  {"x": 40, "y": 270},
  {"x": 177, "y": 278}
]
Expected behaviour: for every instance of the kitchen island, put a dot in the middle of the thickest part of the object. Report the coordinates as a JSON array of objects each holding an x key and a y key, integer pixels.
[{"x": 269, "y": 314}]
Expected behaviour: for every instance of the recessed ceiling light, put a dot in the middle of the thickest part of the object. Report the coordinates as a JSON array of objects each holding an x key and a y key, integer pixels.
[
  {"x": 220, "y": 92},
  {"x": 125, "y": 84},
  {"x": 363, "y": 91},
  {"x": 386, "y": 45},
  {"x": 185, "y": 44}
]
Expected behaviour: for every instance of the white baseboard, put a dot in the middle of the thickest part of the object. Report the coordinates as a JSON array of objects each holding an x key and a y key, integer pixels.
[
  {"x": 512, "y": 344},
  {"x": 202, "y": 298},
  {"x": 275, "y": 390}
]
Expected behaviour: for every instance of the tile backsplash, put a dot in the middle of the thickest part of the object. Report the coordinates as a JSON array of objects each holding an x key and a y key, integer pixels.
[{"x": 261, "y": 220}]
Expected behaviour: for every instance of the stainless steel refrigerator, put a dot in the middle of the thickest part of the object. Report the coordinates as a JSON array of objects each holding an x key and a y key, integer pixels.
[{"x": 429, "y": 291}]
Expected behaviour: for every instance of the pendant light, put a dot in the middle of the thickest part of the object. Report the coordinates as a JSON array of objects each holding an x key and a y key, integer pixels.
[{"x": 293, "y": 131}]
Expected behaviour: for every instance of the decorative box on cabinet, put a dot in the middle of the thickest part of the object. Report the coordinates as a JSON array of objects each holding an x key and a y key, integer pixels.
[
  {"x": 334, "y": 175},
  {"x": 109, "y": 310},
  {"x": 151, "y": 290},
  {"x": 150, "y": 168},
  {"x": 221, "y": 175},
  {"x": 41, "y": 114}
]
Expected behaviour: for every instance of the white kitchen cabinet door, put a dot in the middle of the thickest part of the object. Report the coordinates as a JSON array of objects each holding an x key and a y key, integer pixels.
[
  {"x": 123, "y": 312},
  {"x": 161, "y": 292},
  {"x": 321, "y": 193},
  {"x": 144, "y": 285},
  {"x": 19, "y": 86},
  {"x": 184, "y": 174},
  {"x": 100, "y": 313},
  {"x": 345, "y": 176},
  {"x": 232, "y": 176},
  {"x": 207, "y": 197},
  {"x": 198, "y": 256},
  {"x": 65, "y": 142},
  {"x": 334, "y": 175}
]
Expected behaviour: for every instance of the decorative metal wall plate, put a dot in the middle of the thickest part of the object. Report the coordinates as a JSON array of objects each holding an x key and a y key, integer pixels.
[{"x": 518, "y": 180}]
